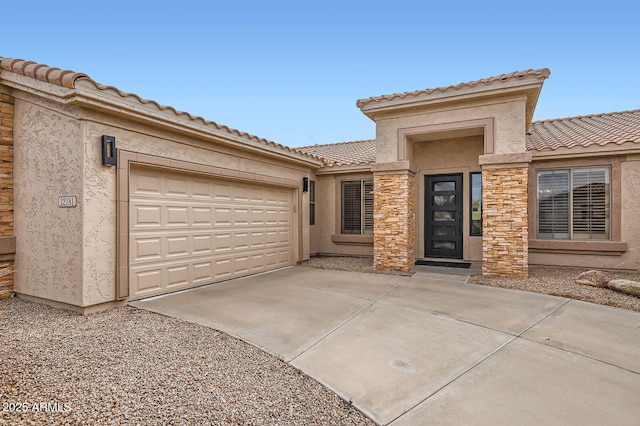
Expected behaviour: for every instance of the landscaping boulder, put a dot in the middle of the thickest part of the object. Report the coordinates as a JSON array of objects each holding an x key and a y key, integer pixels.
[
  {"x": 625, "y": 286},
  {"x": 593, "y": 278}
]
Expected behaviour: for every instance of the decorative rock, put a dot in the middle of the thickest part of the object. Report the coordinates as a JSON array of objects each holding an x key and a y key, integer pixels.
[
  {"x": 625, "y": 286},
  {"x": 593, "y": 278}
]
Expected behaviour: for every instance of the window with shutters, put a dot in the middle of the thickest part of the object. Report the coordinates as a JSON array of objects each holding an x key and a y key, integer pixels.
[
  {"x": 574, "y": 203},
  {"x": 357, "y": 207}
]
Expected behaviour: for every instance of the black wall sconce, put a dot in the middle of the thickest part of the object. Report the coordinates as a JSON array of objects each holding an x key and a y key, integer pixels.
[
  {"x": 108, "y": 150},
  {"x": 305, "y": 184}
]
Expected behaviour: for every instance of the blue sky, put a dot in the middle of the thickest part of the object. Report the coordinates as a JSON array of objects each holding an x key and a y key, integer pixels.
[{"x": 292, "y": 71}]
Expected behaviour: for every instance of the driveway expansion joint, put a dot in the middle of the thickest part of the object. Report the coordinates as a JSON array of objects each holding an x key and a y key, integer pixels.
[
  {"x": 463, "y": 373},
  {"x": 345, "y": 322}
]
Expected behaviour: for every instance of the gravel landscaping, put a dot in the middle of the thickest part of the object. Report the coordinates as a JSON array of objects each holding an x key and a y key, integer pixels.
[
  {"x": 561, "y": 282},
  {"x": 547, "y": 280},
  {"x": 352, "y": 264},
  {"x": 130, "y": 366}
]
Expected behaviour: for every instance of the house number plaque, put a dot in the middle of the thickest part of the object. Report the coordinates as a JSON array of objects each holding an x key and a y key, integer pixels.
[{"x": 67, "y": 201}]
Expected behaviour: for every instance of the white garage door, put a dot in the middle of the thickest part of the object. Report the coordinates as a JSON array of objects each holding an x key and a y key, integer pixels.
[{"x": 188, "y": 230}]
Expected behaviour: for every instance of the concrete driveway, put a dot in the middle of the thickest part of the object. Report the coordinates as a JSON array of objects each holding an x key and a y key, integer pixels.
[{"x": 430, "y": 349}]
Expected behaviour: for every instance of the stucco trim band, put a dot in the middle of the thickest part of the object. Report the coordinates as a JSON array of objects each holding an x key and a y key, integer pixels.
[
  {"x": 593, "y": 247},
  {"x": 364, "y": 240},
  {"x": 505, "y": 161},
  {"x": 394, "y": 167},
  {"x": 405, "y": 135}
]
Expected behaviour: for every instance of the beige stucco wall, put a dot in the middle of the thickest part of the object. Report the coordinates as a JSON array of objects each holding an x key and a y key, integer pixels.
[
  {"x": 508, "y": 115},
  {"x": 448, "y": 156},
  {"x": 328, "y": 217},
  {"x": 48, "y": 164},
  {"x": 69, "y": 255},
  {"x": 99, "y": 221},
  {"x": 631, "y": 213}
]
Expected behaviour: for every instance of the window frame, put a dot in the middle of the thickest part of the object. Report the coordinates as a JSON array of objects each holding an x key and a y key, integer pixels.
[
  {"x": 607, "y": 235},
  {"x": 365, "y": 207},
  {"x": 312, "y": 202},
  {"x": 471, "y": 201}
]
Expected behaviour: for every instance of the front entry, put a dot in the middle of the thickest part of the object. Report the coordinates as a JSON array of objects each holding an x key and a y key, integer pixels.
[{"x": 443, "y": 216}]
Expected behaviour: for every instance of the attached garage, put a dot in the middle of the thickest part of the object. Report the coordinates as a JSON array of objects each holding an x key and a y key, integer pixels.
[
  {"x": 133, "y": 199},
  {"x": 187, "y": 230}
]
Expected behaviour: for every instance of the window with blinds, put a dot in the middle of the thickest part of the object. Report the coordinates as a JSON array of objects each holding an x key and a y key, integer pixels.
[
  {"x": 573, "y": 203},
  {"x": 357, "y": 207}
]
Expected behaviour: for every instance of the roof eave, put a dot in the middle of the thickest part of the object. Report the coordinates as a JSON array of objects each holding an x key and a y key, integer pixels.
[
  {"x": 338, "y": 169},
  {"x": 87, "y": 94},
  {"x": 530, "y": 87},
  {"x": 594, "y": 150}
]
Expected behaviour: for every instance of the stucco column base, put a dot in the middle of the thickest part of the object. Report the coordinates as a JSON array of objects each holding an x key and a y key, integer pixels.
[
  {"x": 505, "y": 240},
  {"x": 394, "y": 218}
]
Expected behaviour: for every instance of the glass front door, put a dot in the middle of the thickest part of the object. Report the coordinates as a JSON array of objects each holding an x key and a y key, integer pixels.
[{"x": 443, "y": 216}]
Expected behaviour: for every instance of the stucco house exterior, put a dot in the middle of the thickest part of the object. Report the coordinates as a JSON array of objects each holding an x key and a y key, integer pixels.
[{"x": 106, "y": 197}]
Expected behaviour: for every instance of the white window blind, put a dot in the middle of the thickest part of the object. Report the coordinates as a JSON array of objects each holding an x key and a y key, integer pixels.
[
  {"x": 368, "y": 206},
  {"x": 573, "y": 203},
  {"x": 590, "y": 203},
  {"x": 553, "y": 204}
]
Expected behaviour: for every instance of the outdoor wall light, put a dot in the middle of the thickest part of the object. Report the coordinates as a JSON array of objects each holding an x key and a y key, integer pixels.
[
  {"x": 108, "y": 150},
  {"x": 305, "y": 184}
]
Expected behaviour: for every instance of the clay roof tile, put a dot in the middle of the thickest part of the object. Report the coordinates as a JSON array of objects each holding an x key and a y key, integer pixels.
[
  {"x": 596, "y": 129},
  {"x": 539, "y": 74}
]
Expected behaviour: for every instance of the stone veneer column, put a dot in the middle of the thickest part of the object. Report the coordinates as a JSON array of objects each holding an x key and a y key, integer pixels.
[
  {"x": 7, "y": 245},
  {"x": 505, "y": 221},
  {"x": 393, "y": 219}
]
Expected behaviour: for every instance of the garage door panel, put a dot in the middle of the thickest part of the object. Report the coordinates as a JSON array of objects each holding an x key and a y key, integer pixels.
[
  {"x": 177, "y": 216},
  {"x": 177, "y": 246},
  {"x": 201, "y": 189},
  {"x": 178, "y": 276},
  {"x": 145, "y": 216},
  {"x": 177, "y": 186},
  {"x": 202, "y": 216},
  {"x": 146, "y": 281},
  {"x": 187, "y": 230},
  {"x": 147, "y": 249}
]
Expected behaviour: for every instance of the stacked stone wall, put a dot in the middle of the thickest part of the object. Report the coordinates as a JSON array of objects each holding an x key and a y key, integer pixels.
[
  {"x": 394, "y": 221},
  {"x": 6, "y": 191},
  {"x": 505, "y": 242}
]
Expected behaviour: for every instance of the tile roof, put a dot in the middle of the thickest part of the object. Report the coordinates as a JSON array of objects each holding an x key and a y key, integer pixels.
[
  {"x": 587, "y": 130},
  {"x": 345, "y": 153},
  {"x": 67, "y": 78},
  {"x": 596, "y": 129},
  {"x": 540, "y": 74},
  {"x": 571, "y": 132}
]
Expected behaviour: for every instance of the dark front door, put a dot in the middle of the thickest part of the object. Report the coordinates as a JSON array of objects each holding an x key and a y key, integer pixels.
[{"x": 443, "y": 216}]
